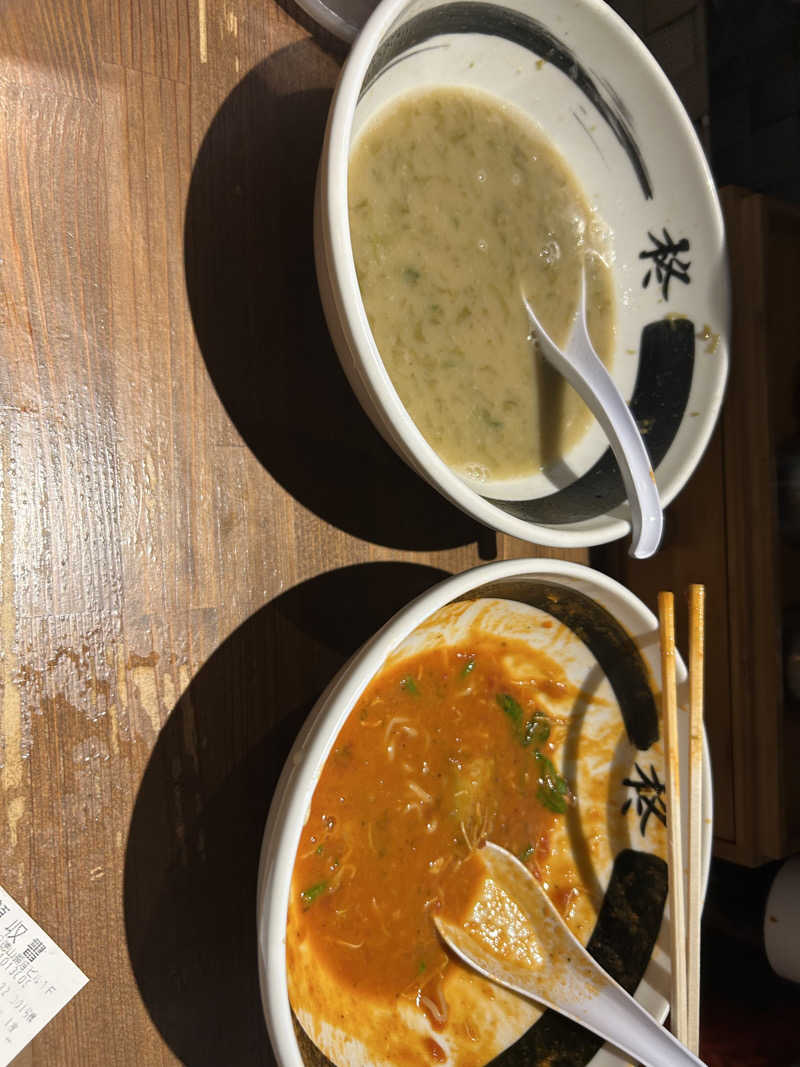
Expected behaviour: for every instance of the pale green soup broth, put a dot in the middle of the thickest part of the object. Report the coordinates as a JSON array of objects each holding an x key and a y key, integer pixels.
[{"x": 457, "y": 206}]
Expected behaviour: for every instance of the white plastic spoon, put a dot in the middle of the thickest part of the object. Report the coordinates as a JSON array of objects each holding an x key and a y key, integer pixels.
[
  {"x": 586, "y": 373},
  {"x": 515, "y": 936}
]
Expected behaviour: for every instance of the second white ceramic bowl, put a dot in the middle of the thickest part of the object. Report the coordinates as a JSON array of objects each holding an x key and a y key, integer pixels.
[{"x": 595, "y": 607}]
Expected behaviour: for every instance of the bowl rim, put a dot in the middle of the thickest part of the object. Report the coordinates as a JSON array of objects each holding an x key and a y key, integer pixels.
[
  {"x": 293, "y": 792},
  {"x": 332, "y": 202}
]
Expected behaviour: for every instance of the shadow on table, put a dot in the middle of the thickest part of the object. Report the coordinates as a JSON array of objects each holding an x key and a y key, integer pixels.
[
  {"x": 329, "y": 42},
  {"x": 248, "y": 250},
  {"x": 195, "y": 834}
]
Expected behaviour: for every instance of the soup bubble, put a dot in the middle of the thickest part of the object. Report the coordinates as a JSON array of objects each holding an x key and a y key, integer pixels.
[{"x": 550, "y": 252}]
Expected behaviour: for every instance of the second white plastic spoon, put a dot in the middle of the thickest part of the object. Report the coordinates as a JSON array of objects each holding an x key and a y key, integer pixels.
[{"x": 517, "y": 938}]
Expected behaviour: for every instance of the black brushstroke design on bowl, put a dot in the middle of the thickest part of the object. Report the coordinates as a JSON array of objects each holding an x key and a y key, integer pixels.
[
  {"x": 608, "y": 641},
  {"x": 665, "y": 262},
  {"x": 622, "y": 943},
  {"x": 475, "y": 16},
  {"x": 649, "y": 795}
]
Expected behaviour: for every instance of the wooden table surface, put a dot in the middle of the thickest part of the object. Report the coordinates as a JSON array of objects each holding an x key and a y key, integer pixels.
[{"x": 198, "y": 525}]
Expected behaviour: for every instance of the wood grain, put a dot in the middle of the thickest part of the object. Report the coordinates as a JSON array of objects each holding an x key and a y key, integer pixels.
[
  {"x": 752, "y": 546},
  {"x": 782, "y": 320},
  {"x": 186, "y": 557},
  {"x": 693, "y": 549}
]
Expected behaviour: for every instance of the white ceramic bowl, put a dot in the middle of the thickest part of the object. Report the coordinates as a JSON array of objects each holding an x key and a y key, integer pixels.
[
  {"x": 593, "y": 598},
  {"x": 596, "y": 92}
]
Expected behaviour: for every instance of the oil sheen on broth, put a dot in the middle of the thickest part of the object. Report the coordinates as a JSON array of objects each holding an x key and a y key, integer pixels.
[
  {"x": 443, "y": 751},
  {"x": 457, "y": 206}
]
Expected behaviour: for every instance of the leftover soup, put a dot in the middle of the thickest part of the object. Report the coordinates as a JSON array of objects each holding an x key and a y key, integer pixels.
[
  {"x": 453, "y": 743},
  {"x": 458, "y": 205}
]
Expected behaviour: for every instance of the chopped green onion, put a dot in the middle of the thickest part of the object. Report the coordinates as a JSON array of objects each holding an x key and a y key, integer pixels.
[
  {"x": 533, "y": 732},
  {"x": 548, "y": 799},
  {"x": 553, "y": 788},
  {"x": 537, "y": 729},
  {"x": 526, "y": 853},
  {"x": 410, "y": 685},
  {"x": 545, "y": 767},
  {"x": 511, "y": 708},
  {"x": 468, "y": 668},
  {"x": 308, "y": 896}
]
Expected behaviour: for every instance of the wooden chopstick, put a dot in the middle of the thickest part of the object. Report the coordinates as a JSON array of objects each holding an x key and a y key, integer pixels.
[
  {"x": 697, "y": 595},
  {"x": 669, "y": 712}
]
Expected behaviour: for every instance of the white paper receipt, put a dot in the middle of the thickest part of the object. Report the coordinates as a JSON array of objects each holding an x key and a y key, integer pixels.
[{"x": 36, "y": 979}]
